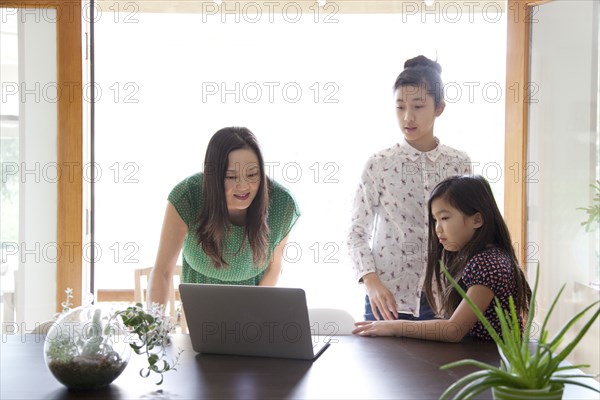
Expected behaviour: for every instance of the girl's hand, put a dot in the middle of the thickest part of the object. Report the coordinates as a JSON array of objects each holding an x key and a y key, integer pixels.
[
  {"x": 383, "y": 303},
  {"x": 375, "y": 328}
]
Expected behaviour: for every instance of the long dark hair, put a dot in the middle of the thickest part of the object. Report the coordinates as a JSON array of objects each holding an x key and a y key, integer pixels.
[
  {"x": 213, "y": 221},
  {"x": 421, "y": 71},
  {"x": 469, "y": 195}
]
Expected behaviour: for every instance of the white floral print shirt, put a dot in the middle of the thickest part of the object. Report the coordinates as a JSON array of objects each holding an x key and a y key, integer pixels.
[{"x": 388, "y": 234}]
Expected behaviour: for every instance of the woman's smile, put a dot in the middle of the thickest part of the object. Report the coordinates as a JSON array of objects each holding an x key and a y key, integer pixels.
[{"x": 242, "y": 196}]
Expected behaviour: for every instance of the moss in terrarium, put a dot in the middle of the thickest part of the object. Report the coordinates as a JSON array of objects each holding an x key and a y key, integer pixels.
[{"x": 88, "y": 372}]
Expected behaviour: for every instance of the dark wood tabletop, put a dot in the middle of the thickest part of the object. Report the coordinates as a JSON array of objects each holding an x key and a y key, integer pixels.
[{"x": 351, "y": 368}]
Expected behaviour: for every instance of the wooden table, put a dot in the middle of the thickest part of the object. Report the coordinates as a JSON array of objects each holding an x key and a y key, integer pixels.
[{"x": 351, "y": 368}]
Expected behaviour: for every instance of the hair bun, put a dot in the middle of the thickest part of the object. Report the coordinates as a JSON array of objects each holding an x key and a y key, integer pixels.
[{"x": 422, "y": 61}]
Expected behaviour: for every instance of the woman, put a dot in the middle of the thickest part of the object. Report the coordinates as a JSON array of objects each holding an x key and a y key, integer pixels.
[{"x": 231, "y": 221}]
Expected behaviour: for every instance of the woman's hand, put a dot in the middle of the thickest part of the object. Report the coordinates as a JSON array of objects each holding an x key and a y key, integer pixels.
[
  {"x": 383, "y": 303},
  {"x": 376, "y": 328}
]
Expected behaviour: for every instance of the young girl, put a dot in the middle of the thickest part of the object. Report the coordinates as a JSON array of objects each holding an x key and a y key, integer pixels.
[
  {"x": 388, "y": 234},
  {"x": 231, "y": 220},
  {"x": 466, "y": 232}
]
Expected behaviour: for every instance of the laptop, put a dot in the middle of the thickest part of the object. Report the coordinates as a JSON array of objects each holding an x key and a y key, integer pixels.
[{"x": 250, "y": 320}]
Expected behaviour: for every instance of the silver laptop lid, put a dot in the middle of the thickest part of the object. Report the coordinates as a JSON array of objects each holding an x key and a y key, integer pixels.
[{"x": 248, "y": 320}]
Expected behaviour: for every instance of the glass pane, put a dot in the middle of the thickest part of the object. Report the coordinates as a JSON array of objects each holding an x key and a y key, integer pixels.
[
  {"x": 29, "y": 168},
  {"x": 561, "y": 170},
  {"x": 9, "y": 161},
  {"x": 563, "y": 162},
  {"x": 317, "y": 92}
]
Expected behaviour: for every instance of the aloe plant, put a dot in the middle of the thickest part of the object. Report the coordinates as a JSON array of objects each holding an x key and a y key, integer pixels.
[{"x": 520, "y": 366}]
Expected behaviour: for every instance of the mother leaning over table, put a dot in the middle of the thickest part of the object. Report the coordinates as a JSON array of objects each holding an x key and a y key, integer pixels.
[{"x": 231, "y": 220}]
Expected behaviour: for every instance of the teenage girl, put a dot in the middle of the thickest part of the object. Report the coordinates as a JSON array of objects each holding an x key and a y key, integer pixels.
[{"x": 388, "y": 234}]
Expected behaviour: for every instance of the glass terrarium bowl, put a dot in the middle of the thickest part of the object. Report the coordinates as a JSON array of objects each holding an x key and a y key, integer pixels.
[{"x": 86, "y": 348}]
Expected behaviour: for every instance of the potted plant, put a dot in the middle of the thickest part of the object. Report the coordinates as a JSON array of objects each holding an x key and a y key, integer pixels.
[
  {"x": 152, "y": 330},
  {"x": 527, "y": 370},
  {"x": 88, "y": 347},
  {"x": 593, "y": 211}
]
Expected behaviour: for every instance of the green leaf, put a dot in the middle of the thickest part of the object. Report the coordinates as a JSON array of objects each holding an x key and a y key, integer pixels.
[
  {"x": 574, "y": 382},
  {"x": 516, "y": 327},
  {"x": 511, "y": 344},
  {"x": 465, "y": 380},
  {"x": 531, "y": 313},
  {"x": 578, "y": 366},
  {"x": 486, "y": 367},
  {"x": 569, "y": 348},
  {"x": 475, "y": 388},
  {"x": 152, "y": 359},
  {"x": 547, "y": 319}
]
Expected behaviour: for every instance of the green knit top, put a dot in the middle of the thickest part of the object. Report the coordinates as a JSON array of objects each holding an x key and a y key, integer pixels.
[{"x": 187, "y": 199}]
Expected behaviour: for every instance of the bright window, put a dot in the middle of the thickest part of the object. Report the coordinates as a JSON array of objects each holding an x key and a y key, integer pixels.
[
  {"x": 28, "y": 154},
  {"x": 9, "y": 162},
  {"x": 563, "y": 170},
  {"x": 318, "y": 95},
  {"x": 564, "y": 152}
]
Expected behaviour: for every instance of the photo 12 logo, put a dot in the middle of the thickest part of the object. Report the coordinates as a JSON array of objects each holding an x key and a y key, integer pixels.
[
  {"x": 52, "y": 92},
  {"x": 294, "y": 172},
  {"x": 53, "y": 172},
  {"x": 452, "y": 11},
  {"x": 269, "y": 92},
  {"x": 253, "y": 12},
  {"x": 52, "y": 252},
  {"x": 126, "y": 12},
  {"x": 251, "y": 332}
]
